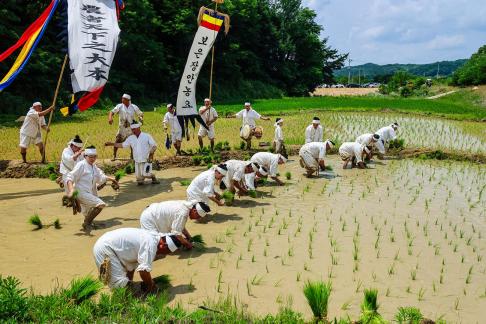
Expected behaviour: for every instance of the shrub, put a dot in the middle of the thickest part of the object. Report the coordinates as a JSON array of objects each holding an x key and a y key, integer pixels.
[
  {"x": 13, "y": 303},
  {"x": 317, "y": 295}
]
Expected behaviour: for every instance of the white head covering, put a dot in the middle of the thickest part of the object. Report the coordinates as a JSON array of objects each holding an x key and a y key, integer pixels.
[
  {"x": 126, "y": 96},
  {"x": 329, "y": 142},
  {"x": 262, "y": 171},
  {"x": 200, "y": 211},
  {"x": 247, "y": 104},
  {"x": 253, "y": 166},
  {"x": 221, "y": 170},
  {"x": 283, "y": 158},
  {"x": 316, "y": 121},
  {"x": 207, "y": 99},
  {"x": 366, "y": 149},
  {"x": 90, "y": 151},
  {"x": 169, "y": 105},
  {"x": 280, "y": 120},
  {"x": 80, "y": 145},
  {"x": 133, "y": 126},
  {"x": 170, "y": 243},
  {"x": 37, "y": 103}
]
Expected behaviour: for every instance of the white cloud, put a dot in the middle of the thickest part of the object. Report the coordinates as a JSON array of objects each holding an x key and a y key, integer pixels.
[{"x": 443, "y": 42}]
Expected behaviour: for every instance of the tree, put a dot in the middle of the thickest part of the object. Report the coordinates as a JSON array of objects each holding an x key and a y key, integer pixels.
[{"x": 474, "y": 71}]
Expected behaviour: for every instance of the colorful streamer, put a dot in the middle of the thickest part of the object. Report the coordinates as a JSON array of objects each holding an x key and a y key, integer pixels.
[{"x": 29, "y": 39}]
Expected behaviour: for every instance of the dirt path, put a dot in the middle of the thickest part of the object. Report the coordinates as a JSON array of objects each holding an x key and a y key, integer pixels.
[
  {"x": 264, "y": 249},
  {"x": 442, "y": 94}
]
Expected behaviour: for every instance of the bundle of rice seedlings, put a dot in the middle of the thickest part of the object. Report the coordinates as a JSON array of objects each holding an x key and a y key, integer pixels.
[
  {"x": 198, "y": 242},
  {"x": 185, "y": 182},
  {"x": 53, "y": 176},
  {"x": 162, "y": 281},
  {"x": 328, "y": 168},
  {"x": 208, "y": 159},
  {"x": 82, "y": 289},
  {"x": 196, "y": 159},
  {"x": 228, "y": 197},
  {"x": 317, "y": 294},
  {"x": 129, "y": 168},
  {"x": 408, "y": 315},
  {"x": 369, "y": 307},
  {"x": 120, "y": 174},
  {"x": 252, "y": 193},
  {"x": 288, "y": 175},
  {"x": 242, "y": 145},
  {"x": 36, "y": 221},
  {"x": 57, "y": 224}
]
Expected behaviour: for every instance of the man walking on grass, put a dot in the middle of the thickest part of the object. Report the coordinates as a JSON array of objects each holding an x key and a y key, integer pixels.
[
  {"x": 30, "y": 132},
  {"x": 209, "y": 115}
]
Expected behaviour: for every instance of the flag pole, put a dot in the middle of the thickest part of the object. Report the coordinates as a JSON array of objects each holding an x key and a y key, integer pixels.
[
  {"x": 212, "y": 58},
  {"x": 53, "y": 105}
]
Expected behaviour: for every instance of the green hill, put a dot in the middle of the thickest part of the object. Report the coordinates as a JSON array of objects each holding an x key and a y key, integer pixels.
[{"x": 370, "y": 70}]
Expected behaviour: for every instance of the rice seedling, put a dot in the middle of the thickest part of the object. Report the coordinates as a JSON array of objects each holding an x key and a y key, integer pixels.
[
  {"x": 198, "y": 242},
  {"x": 456, "y": 304},
  {"x": 358, "y": 286},
  {"x": 185, "y": 183},
  {"x": 252, "y": 193},
  {"x": 288, "y": 175},
  {"x": 317, "y": 295},
  {"x": 57, "y": 224},
  {"x": 391, "y": 269},
  {"x": 369, "y": 307},
  {"x": 249, "y": 244},
  {"x": 81, "y": 289},
  {"x": 408, "y": 315},
  {"x": 469, "y": 274},
  {"x": 421, "y": 294},
  {"x": 413, "y": 274},
  {"x": 36, "y": 221},
  {"x": 256, "y": 280}
]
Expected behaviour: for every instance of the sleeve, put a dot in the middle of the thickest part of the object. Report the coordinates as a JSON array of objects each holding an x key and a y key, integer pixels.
[
  {"x": 214, "y": 113},
  {"x": 256, "y": 115},
  {"x": 358, "y": 153},
  {"x": 151, "y": 141},
  {"x": 179, "y": 221},
  {"x": 127, "y": 142},
  {"x": 137, "y": 110},
  {"x": 201, "y": 109},
  {"x": 116, "y": 109},
  {"x": 238, "y": 175},
  {"x": 322, "y": 151},
  {"x": 280, "y": 134},
  {"x": 307, "y": 135},
  {"x": 75, "y": 174},
  {"x": 393, "y": 135},
  {"x": 146, "y": 256},
  {"x": 321, "y": 133},
  {"x": 239, "y": 114},
  {"x": 100, "y": 176},
  {"x": 209, "y": 188},
  {"x": 273, "y": 168},
  {"x": 166, "y": 119}
]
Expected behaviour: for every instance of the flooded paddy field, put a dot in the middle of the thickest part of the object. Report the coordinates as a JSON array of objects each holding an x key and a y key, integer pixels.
[{"x": 415, "y": 230}]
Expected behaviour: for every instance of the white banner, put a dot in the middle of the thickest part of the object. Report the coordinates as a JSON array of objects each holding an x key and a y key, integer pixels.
[
  {"x": 93, "y": 35},
  {"x": 202, "y": 44}
]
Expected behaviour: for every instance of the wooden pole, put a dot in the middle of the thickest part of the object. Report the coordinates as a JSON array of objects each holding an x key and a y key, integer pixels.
[
  {"x": 53, "y": 105},
  {"x": 212, "y": 64}
]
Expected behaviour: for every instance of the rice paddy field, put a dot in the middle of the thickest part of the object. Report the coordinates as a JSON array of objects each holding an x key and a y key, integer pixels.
[{"x": 412, "y": 229}]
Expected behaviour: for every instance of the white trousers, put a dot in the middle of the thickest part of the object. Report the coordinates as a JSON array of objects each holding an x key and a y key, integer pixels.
[
  {"x": 88, "y": 201},
  {"x": 118, "y": 272},
  {"x": 310, "y": 162}
]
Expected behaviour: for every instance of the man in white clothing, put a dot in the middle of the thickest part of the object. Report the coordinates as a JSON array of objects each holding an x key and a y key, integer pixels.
[
  {"x": 387, "y": 134},
  {"x": 202, "y": 186},
  {"x": 278, "y": 139},
  {"x": 85, "y": 177},
  {"x": 209, "y": 115},
  {"x": 354, "y": 152},
  {"x": 71, "y": 155},
  {"x": 171, "y": 217},
  {"x": 268, "y": 163},
  {"x": 127, "y": 113},
  {"x": 312, "y": 156},
  {"x": 30, "y": 132},
  {"x": 170, "y": 120},
  {"x": 370, "y": 140},
  {"x": 143, "y": 147},
  {"x": 236, "y": 176},
  {"x": 249, "y": 117},
  {"x": 120, "y": 253},
  {"x": 314, "y": 132}
]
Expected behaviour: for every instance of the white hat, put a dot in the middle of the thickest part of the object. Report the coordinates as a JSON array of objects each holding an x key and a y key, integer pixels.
[
  {"x": 254, "y": 166},
  {"x": 207, "y": 99},
  {"x": 262, "y": 171},
  {"x": 221, "y": 170},
  {"x": 283, "y": 158},
  {"x": 316, "y": 121},
  {"x": 90, "y": 151},
  {"x": 170, "y": 243},
  {"x": 72, "y": 142},
  {"x": 126, "y": 96},
  {"x": 136, "y": 125},
  {"x": 37, "y": 103},
  {"x": 200, "y": 210},
  {"x": 169, "y": 105},
  {"x": 331, "y": 145},
  {"x": 247, "y": 104}
]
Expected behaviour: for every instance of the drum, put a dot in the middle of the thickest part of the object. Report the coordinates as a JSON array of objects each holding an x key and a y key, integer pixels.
[
  {"x": 245, "y": 132},
  {"x": 258, "y": 132}
]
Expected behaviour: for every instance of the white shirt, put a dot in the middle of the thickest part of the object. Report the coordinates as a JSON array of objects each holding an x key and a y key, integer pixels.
[
  {"x": 365, "y": 139},
  {"x": 173, "y": 122},
  {"x": 236, "y": 169},
  {"x": 203, "y": 185},
  {"x": 387, "y": 133},
  {"x": 127, "y": 114},
  {"x": 208, "y": 115},
  {"x": 313, "y": 134},
  {"x": 278, "y": 134},
  {"x": 32, "y": 123},
  {"x": 169, "y": 216},
  {"x": 268, "y": 160},
  {"x": 134, "y": 247},
  {"x": 85, "y": 177},
  {"x": 67, "y": 162},
  {"x": 248, "y": 117},
  {"x": 141, "y": 146},
  {"x": 316, "y": 149},
  {"x": 353, "y": 149}
]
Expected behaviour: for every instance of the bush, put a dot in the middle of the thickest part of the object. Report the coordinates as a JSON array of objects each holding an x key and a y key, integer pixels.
[{"x": 13, "y": 303}]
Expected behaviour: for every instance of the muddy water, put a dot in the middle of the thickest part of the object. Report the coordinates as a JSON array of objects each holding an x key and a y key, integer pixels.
[{"x": 412, "y": 223}]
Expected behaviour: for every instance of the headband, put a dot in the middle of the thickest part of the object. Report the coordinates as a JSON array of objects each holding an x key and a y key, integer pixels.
[
  {"x": 169, "y": 105},
  {"x": 254, "y": 166},
  {"x": 262, "y": 171},
  {"x": 126, "y": 96},
  {"x": 170, "y": 243},
  {"x": 316, "y": 121},
  {"x": 283, "y": 158},
  {"x": 201, "y": 212},
  {"x": 90, "y": 151},
  {"x": 247, "y": 104},
  {"x": 136, "y": 125},
  {"x": 331, "y": 145},
  {"x": 37, "y": 103},
  {"x": 221, "y": 170},
  {"x": 80, "y": 145}
]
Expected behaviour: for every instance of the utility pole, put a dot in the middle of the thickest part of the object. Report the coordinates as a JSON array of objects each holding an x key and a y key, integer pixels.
[
  {"x": 359, "y": 77},
  {"x": 349, "y": 70},
  {"x": 438, "y": 66}
]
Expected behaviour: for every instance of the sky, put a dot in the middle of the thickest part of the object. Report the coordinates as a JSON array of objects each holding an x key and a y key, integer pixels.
[{"x": 402, "y": 31}]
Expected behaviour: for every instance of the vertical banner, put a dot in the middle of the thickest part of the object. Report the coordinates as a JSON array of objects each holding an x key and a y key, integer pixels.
[
  {"x": 209, "y": 26},
  {"x": 92, "y": 36}
]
